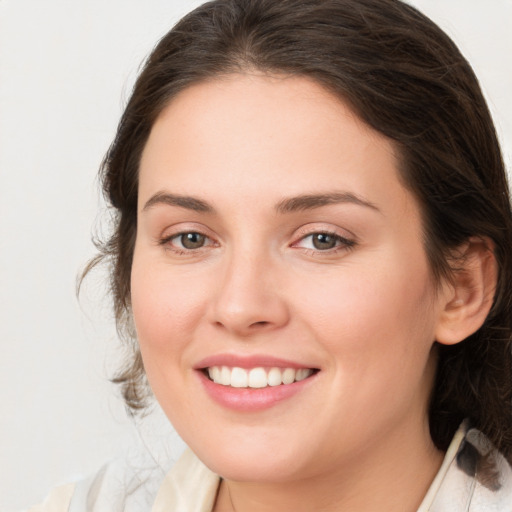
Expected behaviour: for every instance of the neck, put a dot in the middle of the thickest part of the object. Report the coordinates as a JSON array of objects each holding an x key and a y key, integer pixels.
[{"x": 394, "y": 473}]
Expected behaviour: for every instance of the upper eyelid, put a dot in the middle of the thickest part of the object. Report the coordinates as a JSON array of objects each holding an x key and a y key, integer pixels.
[
  {"x": 346, "y": 239},
  {"x": 294, "y": 237},
  {"x": 185, "y": 227},
  {"x": 343, "y": 241},
  {"x": 168, "y": 238},
  {"x": 318, "y": 227}
]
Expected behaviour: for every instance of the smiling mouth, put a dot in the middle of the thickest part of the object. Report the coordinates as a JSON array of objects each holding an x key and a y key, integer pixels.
[{"x": 256, "y": 378}]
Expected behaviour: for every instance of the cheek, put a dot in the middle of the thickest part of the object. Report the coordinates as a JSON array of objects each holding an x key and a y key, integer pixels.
[
  {"x": 377, "y": 319},
  {"x": 166, "y": 308},
  {"x": 378, "y": 332}
]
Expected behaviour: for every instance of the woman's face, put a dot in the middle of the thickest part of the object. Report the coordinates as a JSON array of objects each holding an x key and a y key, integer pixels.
[{"x": 276, "y": 243}]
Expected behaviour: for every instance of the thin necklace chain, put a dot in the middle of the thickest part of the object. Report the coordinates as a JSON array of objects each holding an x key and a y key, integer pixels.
[{"x": 230, "y": 499}]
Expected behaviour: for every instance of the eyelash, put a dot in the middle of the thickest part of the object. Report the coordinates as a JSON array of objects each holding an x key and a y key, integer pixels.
[
  {"x": 342, "y": 243},
  {"x": 166, "y": 242}
]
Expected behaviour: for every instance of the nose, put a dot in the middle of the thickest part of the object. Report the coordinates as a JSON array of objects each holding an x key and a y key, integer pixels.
[{"x": 249, "y": 297}]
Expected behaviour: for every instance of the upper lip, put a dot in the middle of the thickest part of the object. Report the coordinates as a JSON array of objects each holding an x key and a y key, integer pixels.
[{"x": 247, "y": 362}]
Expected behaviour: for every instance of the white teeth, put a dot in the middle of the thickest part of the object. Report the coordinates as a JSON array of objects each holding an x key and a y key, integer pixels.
[
  {"x": 288, "y": 376},
  {"x": 303, "y": 373},
  {"x": 214, "y": 373},
  {"x": 274, "y": 377},
  {"x": 225, "y": 376},
  {"x": 256, "y": 377},
  {"x": 239, "y": 378}
]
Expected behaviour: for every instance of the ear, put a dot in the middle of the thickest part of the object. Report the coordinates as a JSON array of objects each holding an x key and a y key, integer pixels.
[{"x": 471, "y": 291}]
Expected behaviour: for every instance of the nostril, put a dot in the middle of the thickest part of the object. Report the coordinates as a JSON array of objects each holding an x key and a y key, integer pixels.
[{"x": 259, "y": 324}]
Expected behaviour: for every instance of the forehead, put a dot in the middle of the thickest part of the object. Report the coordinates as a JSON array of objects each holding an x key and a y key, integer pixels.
[
  {"x": 265, "y": 104},
  {"x": 250, "y": 133}
]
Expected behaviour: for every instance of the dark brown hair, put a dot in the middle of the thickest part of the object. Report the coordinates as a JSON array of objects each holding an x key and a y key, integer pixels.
[{"x": 405, "y": 78}]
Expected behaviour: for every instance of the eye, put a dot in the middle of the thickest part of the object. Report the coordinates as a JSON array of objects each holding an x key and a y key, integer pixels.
[
  {"x": 324, "y": 241},
  {"x": 191, "y": 240},
  {"x": 187, "y": 241}
]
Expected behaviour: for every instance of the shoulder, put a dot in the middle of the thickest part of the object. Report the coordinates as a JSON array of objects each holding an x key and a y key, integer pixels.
[
  {"x": 57, "y": 501},
  {"x": 120, "y": 486},
  {"x": 190, "y": 486},
  {"x": 477, "y": 477},
  {"x": 489, "y": 472}
]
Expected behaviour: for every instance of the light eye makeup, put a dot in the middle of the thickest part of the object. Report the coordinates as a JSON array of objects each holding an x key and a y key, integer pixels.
[
  {"x": 186, "y": 242},
  {"x": 319, "y": 239},
  {"x": 321, "y": 242},
  {"x": 324, "y": 241},
  {"x": 312, "y": 240}
]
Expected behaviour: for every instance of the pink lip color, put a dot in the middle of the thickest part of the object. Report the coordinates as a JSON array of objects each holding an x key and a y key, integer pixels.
[
  {"x": 249, "y": 399},
  {"x": 255, "y": 361}
]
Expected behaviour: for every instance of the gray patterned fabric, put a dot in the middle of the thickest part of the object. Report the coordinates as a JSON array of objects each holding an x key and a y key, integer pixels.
[{"x": 477, "y": 479}]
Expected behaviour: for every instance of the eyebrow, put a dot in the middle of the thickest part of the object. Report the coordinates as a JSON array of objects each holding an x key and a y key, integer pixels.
[
  {"x": 188, "y": 202},
  {"x": 288, "y": 205},
  {"x": 312, "y": 201}
]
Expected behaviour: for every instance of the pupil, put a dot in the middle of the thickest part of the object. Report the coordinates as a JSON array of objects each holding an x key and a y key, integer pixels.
[
  {"x": 324, "y": 241},
  {"x": 192, "y": 240}
]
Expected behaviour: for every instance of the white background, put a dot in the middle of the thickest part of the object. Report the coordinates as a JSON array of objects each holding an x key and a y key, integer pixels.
[{"x": 66, "y": 69}]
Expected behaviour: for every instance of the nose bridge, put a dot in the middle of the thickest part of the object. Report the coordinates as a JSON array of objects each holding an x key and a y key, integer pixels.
[{"x": 247, "y": 298}]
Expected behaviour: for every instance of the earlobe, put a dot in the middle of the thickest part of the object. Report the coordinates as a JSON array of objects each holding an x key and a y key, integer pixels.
[{"x": 471, "y": 291}]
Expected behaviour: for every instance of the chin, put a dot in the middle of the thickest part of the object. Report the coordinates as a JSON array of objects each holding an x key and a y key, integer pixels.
[
  {"x": 246, "y": 469},
  {"x": 251, "y": 456}
]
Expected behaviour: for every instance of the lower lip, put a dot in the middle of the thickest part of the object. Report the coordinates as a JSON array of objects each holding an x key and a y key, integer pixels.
[{"x": 251, "y": 399}]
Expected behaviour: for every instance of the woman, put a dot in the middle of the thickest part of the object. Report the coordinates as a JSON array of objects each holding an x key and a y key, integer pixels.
[{"x": 310, "y": 261}]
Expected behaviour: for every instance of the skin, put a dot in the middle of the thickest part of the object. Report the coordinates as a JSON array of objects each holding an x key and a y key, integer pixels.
[{"x": 365, "y": 313}]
